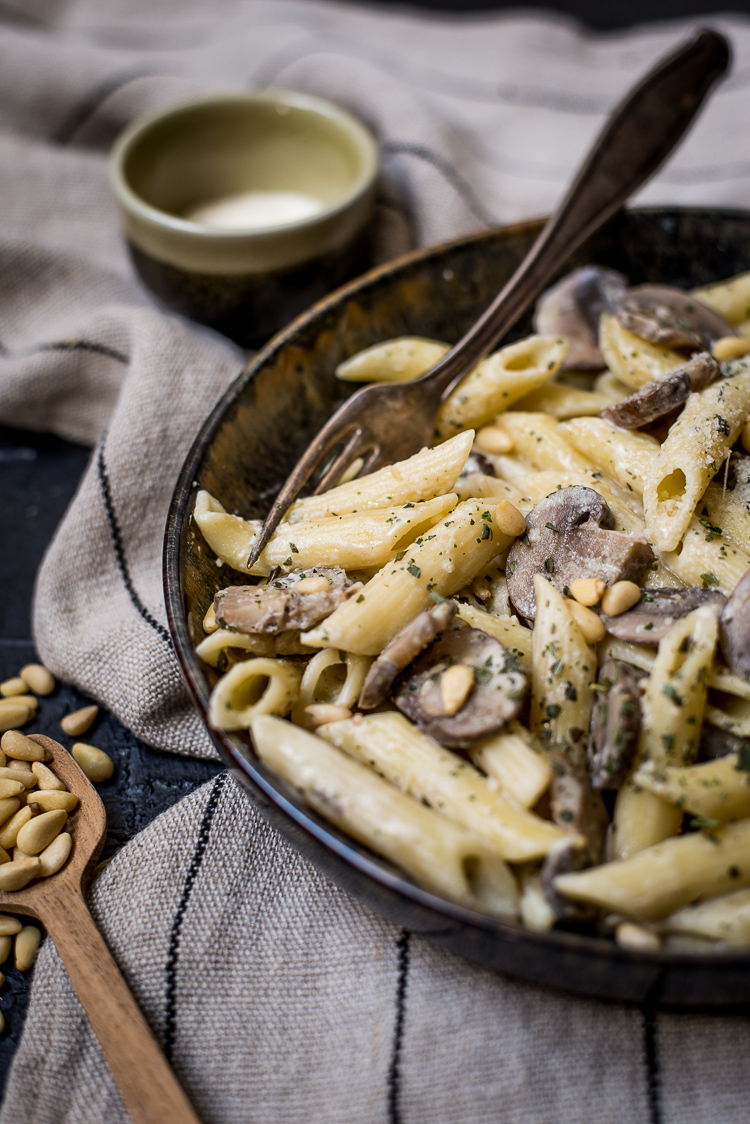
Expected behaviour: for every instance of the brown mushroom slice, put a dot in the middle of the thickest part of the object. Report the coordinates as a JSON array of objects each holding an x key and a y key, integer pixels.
[
  {"x": 650, "y": 620},
  {"x": 574, "y": 803},
  {"x": 734, "y": 629},
  {"x": 615, "y": 725},
  {"x": 402, "y": 650},
  {"x": 572, "y": 308},
  {"x": 667, "y": 317},
  {"x": 717, "y": 743},
  {"x": 477, "y": 462},
  {"x": 278, "y": 605},
  {"x": 497, "y": 695},
  {"x": 568, "y": 536},
  {"x": 565, "y": 857},
  {"x": 660, "y": 398}
]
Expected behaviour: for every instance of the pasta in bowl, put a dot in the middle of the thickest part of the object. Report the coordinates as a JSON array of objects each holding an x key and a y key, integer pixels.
[{"x": 427, "y": 662}]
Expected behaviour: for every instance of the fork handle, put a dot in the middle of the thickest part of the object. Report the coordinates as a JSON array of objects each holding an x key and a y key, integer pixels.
[
  {"x": 635, "y": 141},
  {"x": 148, "y": 1087}
]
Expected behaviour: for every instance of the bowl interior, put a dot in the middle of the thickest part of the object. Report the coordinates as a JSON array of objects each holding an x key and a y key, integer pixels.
[{"x": 252, "y": 440}]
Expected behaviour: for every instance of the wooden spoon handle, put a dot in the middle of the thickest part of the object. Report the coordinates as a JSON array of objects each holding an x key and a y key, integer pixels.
[{"x": 147, "y": 1085}]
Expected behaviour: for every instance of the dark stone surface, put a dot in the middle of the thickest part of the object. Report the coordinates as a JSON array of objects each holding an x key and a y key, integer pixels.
[{"x": 38, "y": 477}]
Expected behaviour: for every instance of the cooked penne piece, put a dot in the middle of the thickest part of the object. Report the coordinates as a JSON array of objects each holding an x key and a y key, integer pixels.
[
  {"x": 259, "y": 686},
  {"x": 354, "y": 542},
  {"x": 417, "y": 765},
  {"x": 429, "y": 473},
  {"x": 478, "y": 486},
  {"x": 704, "y": 560},
  {"x": 540, "y": 441},
  {"x": 657, "y": 881},
  {"x": 723, "y": 514},
  {"x": 696, "y": 447},
  {"x": 228, "y": 640},
  {"x": 628, "y": 512},
  {"x": 632, "y": 360},
  {"x": 330, "y": 677},
  {"x": 499, "y": 381},
  {"x": 731, "y": 298},
  {"x": 724, "y": 919},
  {"x": 441, "y": 562},
  {"x": 624, "y": 454},
  {"x": 729, "y": 713},
  {"x": 397, "y": 360},
  {"x": 511, "y": 759},
  {"x": 716, "y": 790},
  {"x": 514, "y": 636},
  {"x": 434, "y": 851},
  {"x": 561, "y": 401},
  {"x": 563, "y": 669}
]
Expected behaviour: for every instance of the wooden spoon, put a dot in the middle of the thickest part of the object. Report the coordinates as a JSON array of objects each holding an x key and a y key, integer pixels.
[{"x": 147, "y": 1085}]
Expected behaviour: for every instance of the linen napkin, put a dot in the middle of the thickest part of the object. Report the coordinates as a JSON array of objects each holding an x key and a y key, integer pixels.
[{"x": 276, "y": 996}]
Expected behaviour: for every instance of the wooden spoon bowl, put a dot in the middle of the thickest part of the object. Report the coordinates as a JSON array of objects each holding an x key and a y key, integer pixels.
[{"x": 147, "y": 1085}]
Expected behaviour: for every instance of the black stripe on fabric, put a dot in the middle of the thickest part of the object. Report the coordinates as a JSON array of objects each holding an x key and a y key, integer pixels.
[
  {"x": 394, "y": 1072},
  {"x": 85, "y": 345},
  {"x": 81, "y": 112},
  {"x": 649, "y": 1011},
  {"x": 405, "y": 148},
  {"x": 173, "y": 951},
  {"x": 122, "y": 566}
]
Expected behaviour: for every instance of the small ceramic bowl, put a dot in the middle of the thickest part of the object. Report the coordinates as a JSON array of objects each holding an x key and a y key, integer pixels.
[{"x": 249, "y": 279}]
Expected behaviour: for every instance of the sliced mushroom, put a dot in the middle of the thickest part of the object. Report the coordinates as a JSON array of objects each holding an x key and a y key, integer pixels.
[
  {"x": 666, "y": 316},
  {"x": 477, "y": 462},
  {"x": 660, "y": 398},
  {"x": 717, "y": 743},
  {"x": 574, "y": 803},
  {"x": 615, "y": 725},
  {"x": 565, "y": 857},
  {"x": 650, "y": 620},
  {"x": 568, "y": 536},
  {"x": 278, "y": 605},
  {"x": 402, "y": 650},
  {"x": 497, "y": 695},
  {"x": 734, "y": 629},
  {"x": 572, "y": 308}
]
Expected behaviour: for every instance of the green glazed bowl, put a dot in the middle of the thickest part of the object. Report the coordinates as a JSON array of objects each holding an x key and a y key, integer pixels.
[
  {"x": 249, "y": 444},
  {"x": 246, "y": 283}
]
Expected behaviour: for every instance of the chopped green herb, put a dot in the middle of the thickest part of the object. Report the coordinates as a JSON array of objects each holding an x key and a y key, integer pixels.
[
  {"x": 414, "y": 570},
  {"x": 709, "y": 580},
  {"x": 549, "y": 565}
]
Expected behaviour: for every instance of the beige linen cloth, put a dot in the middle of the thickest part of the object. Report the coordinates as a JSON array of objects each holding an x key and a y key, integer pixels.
[{"x": 278, "y": 998}]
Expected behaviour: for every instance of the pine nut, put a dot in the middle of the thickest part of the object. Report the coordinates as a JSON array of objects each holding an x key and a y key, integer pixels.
[
  {"x": 95, "y": 763},
  {"x": 21, "y": 767},
  {"x": 55, "y": 855},
  {"x": 620, "y": 597},
  {"x": 8, "y": 807},
  {"x": 6, "y": 944},
  {"x": 730, "y": 347},
  {"x": 79, "y": 721},
  {"x": 39, "y": 832},
  {"x": 312, "y": 585},
  {"x": 14, "y": 715},
  {"x": 11, "y": 788},
  {"x": 9, "y": 926},
  {"x": 587, "y": 591},
  {"x": 17, "y": 874},
  {"x": 46, "y": 779},
  {"x": 745, "y": 438},
  {"x": 21, "y": 748},
  {"x": 628, "y": 935},
  {"x": 16, "y": 773},
  {"x": 41, "y": 681},
  {"x": 50, "y": 801},
  {"x": 508, "y": 519},
  {"x": 321, "y": 713},
  {"x": 210, "y": 623},
  {"x": 9, "y": 831},
  {"x": 592, "y": 628},
  {"x": 4, "y": 856},
  {"x": 27, "y": 945},
  {"x": 11, "y": 687},
  {"x": 456, "y": 684},
  {"x": 492, "y": 439}
]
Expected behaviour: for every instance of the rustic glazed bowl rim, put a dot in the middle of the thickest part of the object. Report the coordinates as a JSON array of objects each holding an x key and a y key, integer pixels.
[
  {"x": 247, "y": 769},
  {"x": 358, "y": 133}
]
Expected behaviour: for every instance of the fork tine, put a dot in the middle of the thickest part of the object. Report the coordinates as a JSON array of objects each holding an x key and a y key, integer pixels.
[{"x": 336, "y": 470}]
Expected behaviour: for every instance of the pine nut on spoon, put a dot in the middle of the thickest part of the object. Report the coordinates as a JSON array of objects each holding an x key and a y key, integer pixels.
[{"x": 147, "y": 1085}]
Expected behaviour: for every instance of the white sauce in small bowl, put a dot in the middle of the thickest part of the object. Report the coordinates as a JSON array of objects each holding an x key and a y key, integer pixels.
[{"x": 255, "y": 210}]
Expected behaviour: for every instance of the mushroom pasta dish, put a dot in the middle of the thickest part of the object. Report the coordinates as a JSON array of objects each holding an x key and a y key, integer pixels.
[{"x": 516, "y": 666}]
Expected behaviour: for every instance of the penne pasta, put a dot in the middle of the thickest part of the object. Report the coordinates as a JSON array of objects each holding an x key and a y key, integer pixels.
[
  {"x": 397, "y": 360},
  {"x": 510, "y": 757},
  {"x": 330, "y": 677},
  {"x": 559, "y": 400},
  {"x": 715, "y": 790},
  {"x": 704, "y": 560},
  {"x": 257, "y": 686},
  {"x": 624, "y": 454},
  {"x": 632, "y": 360},
  {"x": 731, "y": 298},
  {"x": 724, "y": 919}
]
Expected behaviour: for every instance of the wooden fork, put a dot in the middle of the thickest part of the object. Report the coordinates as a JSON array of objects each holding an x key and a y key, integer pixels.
[
  {"x": 384, "y": 423},
  {"x": 147, "y": 1085}
]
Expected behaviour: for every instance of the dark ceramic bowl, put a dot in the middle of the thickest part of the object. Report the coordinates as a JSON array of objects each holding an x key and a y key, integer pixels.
[{"x": 249, "y": 444}]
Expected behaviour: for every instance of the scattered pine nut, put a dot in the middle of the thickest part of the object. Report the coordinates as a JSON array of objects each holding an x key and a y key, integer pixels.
[
  {"x": 54, "y": 857},
  {"x": 27, "y": 945},
  {"x": 19, "y": 767},
  {"x": 79, "y": 721},
  {"x": 15, "y": 686},
  {"x": 18, "y": 873},
  {"x": 321, "y": 713},
  {"x": 39, "y": 832},
  {"x": 314, "y": 584},
  {"x": 9, "y": 831},
  {"x": 52, "y": 800},
  {"x": 6, "y": 945},
  {"x": 9, "y": 926},
  {"x": 587, "y": 591},
  {"x": 16, "y": 745},
  {"x": 629, "y": 935},
  {"x": 491, "y": 439},
  {"x": 4, "y": 856},
  {"x": 509, "y": 520},
  {"x": 41, "y": 681},
  {"x": 456, "y": 684},
  {"x": 14, "y": 714},
  {"x": 11, "y": 788},
  {"x": 8, "y": 807},
  {"x": 730, "y": 347},
  {"x": 46, "y": 779},
  {"x": 592, "y": 628},
  {"x": 620, "y": 597},
  {"x": 95, "y": 763}
]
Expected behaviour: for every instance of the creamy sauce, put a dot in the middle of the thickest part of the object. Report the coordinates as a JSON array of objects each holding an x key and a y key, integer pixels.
[{"x": 255, "y": 210}]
